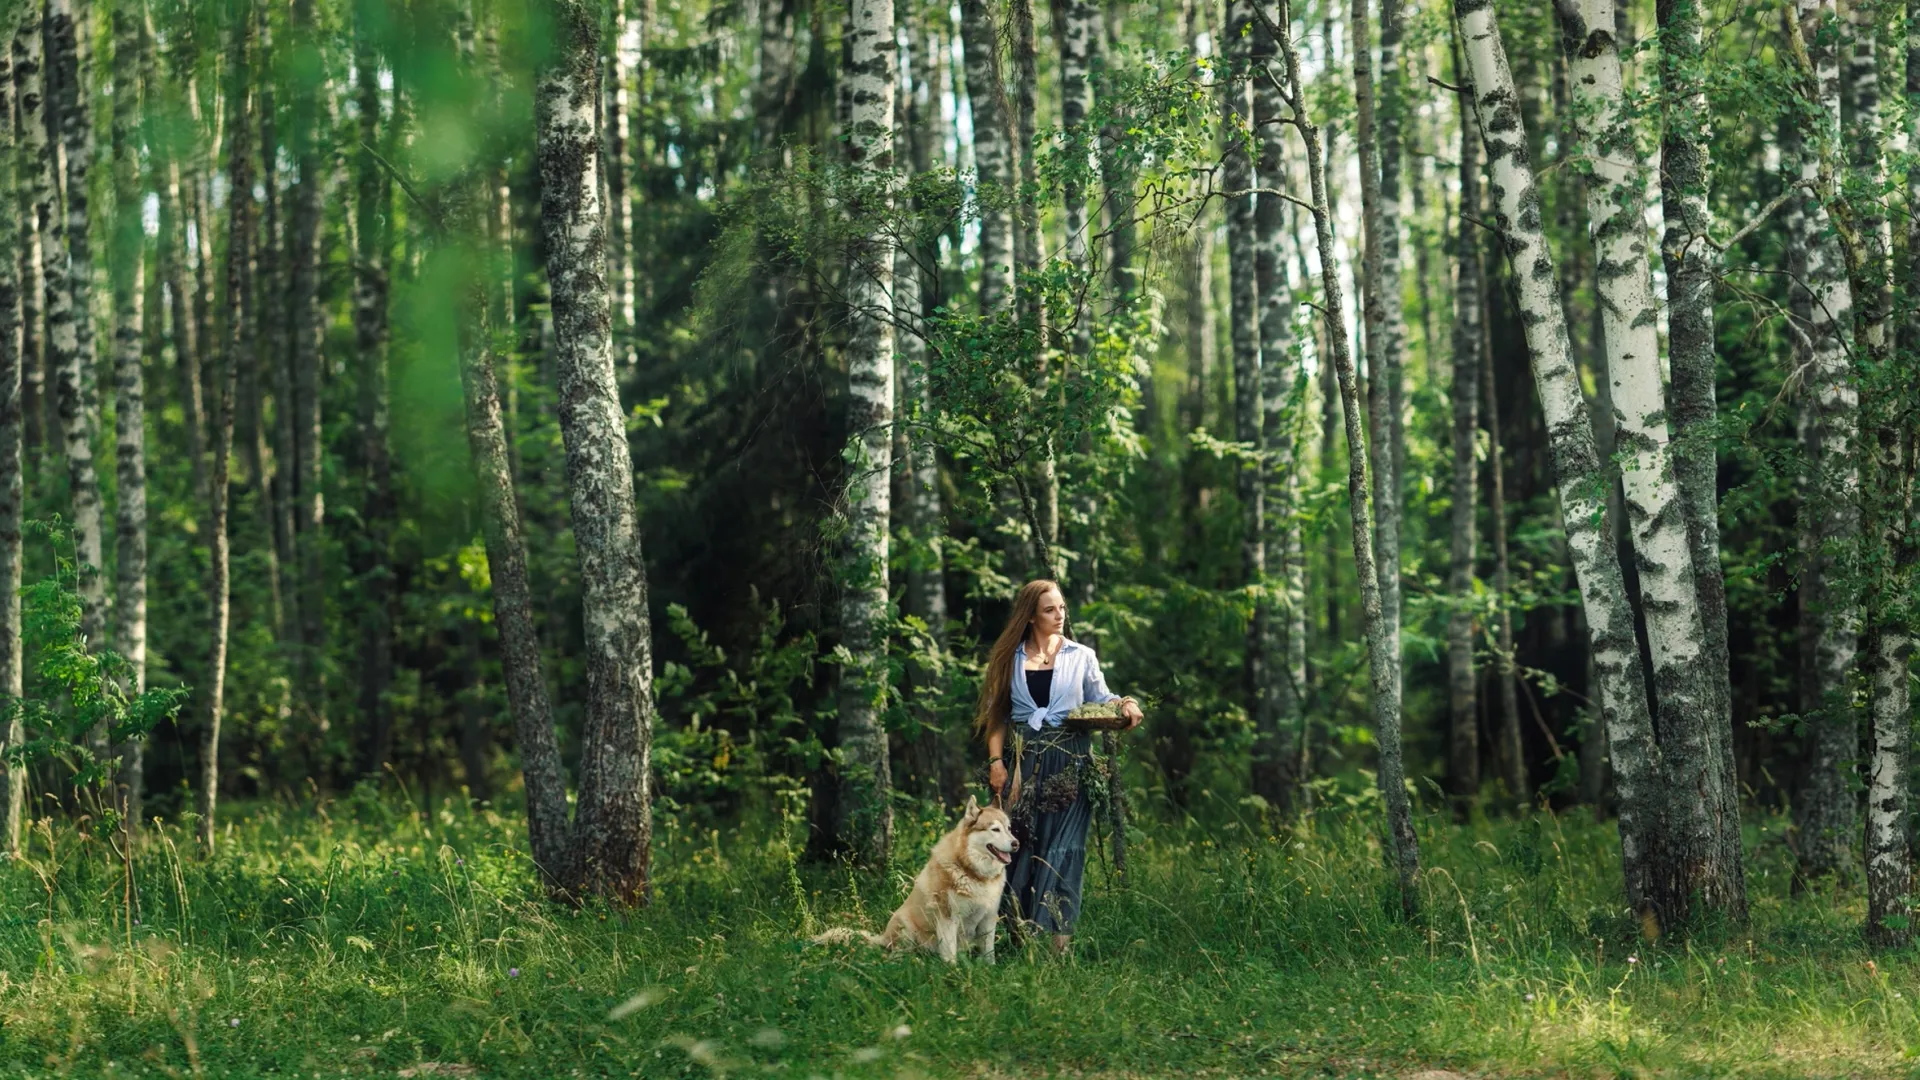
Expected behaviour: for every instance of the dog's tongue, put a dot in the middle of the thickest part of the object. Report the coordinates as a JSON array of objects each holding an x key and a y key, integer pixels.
[{"x": 1005, "y": 857}]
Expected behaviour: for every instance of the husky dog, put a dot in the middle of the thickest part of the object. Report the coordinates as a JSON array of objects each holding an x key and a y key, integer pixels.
[{"x": 956, "y": 898}]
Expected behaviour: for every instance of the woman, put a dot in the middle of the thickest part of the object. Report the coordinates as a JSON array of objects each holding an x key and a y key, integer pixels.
[{"x": 1035, "y": 677}]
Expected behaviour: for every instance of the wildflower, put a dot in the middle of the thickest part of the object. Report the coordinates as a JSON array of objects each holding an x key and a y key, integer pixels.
[
  {"x": 1633, "y": 959},
  {"x": 513, "y": 973},
  {"x": 460, "y": 862},
  {"x": 1529, "y": 997},
  {"x": 234, "y": 1022}
]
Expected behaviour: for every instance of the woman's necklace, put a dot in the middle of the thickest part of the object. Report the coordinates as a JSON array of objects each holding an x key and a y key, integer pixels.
[{"x": 1045, "y": 661}]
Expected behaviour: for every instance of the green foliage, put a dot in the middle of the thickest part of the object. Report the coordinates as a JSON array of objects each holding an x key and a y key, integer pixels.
[{"x": 78, "y": 687}]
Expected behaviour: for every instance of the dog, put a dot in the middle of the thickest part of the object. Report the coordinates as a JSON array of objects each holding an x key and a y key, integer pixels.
[{"x": 956, "y": 898}]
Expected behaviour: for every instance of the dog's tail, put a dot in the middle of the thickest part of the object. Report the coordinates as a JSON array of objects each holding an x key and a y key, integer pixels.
[{"x": 847, "y": 935}]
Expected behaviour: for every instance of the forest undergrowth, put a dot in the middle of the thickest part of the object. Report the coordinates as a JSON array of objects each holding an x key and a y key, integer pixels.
[{"x": 372, "y": 936}]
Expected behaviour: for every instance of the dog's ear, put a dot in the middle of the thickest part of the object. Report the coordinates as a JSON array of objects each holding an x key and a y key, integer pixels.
[{"x": 973, "y": 807}]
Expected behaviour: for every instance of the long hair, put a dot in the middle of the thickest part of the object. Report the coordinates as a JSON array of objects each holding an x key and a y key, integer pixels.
[{"x": 996, "y": 689}]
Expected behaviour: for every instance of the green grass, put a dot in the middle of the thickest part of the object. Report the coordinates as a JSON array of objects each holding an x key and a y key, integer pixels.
[{"x": 361, "y": 938}]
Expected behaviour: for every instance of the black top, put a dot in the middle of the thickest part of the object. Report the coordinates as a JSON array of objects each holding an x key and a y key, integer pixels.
[{"x": 1040, "y": 686}]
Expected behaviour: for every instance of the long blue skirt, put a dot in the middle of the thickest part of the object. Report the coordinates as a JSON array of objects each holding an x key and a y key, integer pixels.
[{"x": 1050, "y": 816}]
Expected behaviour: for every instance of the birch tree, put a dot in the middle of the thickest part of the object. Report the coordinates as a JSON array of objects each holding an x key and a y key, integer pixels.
[
  {"x": 1885, "y": 460},
  {"x": 25, "y": 51},
  {"x": 44, "y": 278},
  {"x": 371, "y": 209},
  {"x": 992, "y": 154},
  {"x": 1888, "y": 855},
  {"x": 1824, "y": 810},
  {"x": 1382, "y": 651},
  {"x": 13, "y": 777},
  {"x": 1243, "y": 324},
  {"x": 613, "y": 830},
  {"x": 1463, "y": 741},
  {"x": 1576, "y": 465},
  {"x": 1280, "y": 728},
  {"x": 305, "y": 322},
  {"x": 69, "y": 321},
  {"x": 1384, "y": 330},
  {"x": 863, "y": 813},
  {"x": 926, "y": 593},
  {"x": 238, "y": 352},
  {"x": 1702, "y": 862},
  {"x": 130, "y": 461},
  {"x": 1685, "y": 174}
]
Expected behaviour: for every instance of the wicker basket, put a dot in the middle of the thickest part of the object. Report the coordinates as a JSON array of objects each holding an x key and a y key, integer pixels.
[{"x": 1097, "y": 717}]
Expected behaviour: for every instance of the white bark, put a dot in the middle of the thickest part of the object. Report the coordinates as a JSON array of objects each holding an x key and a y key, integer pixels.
[
  {"x": 613, "y": 825},
  {"x": 13, "y": 778},
  {"x": 1382, "y": 651},
  {"x": 1889, "y": 856},
  {"x": 1239, "y": 180},
  {"x": 1385, "y": 329},
  {"x": 1825, "y": 812},
  {"x": 863, "y": 812},
  {"x": 1693, "y": 721},
  {"x": 1577, "y": 466},
  {"x": 992, "y": 154},
  {"x": 130, "y": 460},
  {"x": 1464, "y": 721},
  {"x": 1280, "y": 738},
  {"x": 69, "y": 322}
]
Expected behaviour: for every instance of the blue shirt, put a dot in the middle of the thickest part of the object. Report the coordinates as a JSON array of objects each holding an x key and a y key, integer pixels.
[{"x": 1076, "y": 681}]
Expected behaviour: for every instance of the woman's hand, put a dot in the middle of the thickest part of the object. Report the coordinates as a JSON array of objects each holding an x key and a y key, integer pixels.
[
  {"x": 1130, "y": 709},
  {"x": 997, "y": 777}
]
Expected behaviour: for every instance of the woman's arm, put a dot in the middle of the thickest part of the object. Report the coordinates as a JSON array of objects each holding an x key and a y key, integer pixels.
[{"x": 1094, "y": 688}]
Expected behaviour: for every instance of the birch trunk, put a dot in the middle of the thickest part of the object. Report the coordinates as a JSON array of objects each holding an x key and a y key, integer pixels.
[
  {"x": 272, "y": 370},
  {"x": 306, "y": 323},
  {"x": 1685, "y": 174},
  {"x": 613, "y": 829},
  {"x": 1382, "y": 651},
  {"x": 1243, "y": 323},
  {"x": 25, "y": 50},
  {"x": 619, "y": 147},
  {"x": 182, "y": 329},
  {"x": 1385, "y": 334},
  {"x": 1280, "y": 732},
  {"x": 372, "y": 206},
  {"x": 1029, "y": 300},
  {"x": 863, "y": 814},
  {"x": 238, "y": 353},
  {"x": 992, "y": 154},
  {"x": 512, "y": 596},
  {"x": 130, "y": 461},
  {"x": 1825, "y": 810},
  {"x": 13, "y": 778},
  {"x": 1117, "y": 181},
  {"x": 45, "y": 277},
  {"x": 1701, "y": 865},
  {"x": 271, "y": 468},
  {"x": 69, "y": 321},
  {"x": 925, "y": 525},
  {"x": 1505, "y": 676},
  {"x": 1463, "y": 742},
  {"x": 1076, "y": 25},
  {"x": 1889, "y": 856},
  {"x": 1577, "y": 468}
]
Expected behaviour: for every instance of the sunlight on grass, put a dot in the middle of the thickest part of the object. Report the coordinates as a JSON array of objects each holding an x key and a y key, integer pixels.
[{"x": 363, "y": 937}]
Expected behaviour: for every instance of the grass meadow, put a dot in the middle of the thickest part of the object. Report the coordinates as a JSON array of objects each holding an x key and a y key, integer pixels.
[{"x": 372, "y": 937}]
